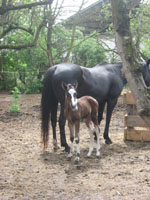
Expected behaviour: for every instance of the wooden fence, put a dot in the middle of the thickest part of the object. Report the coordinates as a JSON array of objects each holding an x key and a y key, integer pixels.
[{"x": 135, "y": 129}]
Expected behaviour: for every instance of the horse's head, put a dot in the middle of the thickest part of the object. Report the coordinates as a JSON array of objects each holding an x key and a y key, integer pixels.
[
  {"x": 71, "y": 95},
  {"x": 148, "y": 64}
]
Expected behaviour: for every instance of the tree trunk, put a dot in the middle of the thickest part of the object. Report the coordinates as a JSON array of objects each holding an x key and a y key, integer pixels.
[
  {"x": 49, "y": 49},
  {"x": 130, "y": 58},
  {"x": 50, "y": 22}
]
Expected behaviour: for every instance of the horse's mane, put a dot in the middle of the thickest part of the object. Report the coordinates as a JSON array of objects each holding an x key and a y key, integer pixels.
[
  {"x": 112, "y": 67},
  {"x": 109, "y": 64}
]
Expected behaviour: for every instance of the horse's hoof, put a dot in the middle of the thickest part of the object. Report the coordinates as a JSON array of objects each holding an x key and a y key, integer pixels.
[
  {"x": 69, "y": 158},
  {"x": 56, "y": 148},
  {"x": 98, "y": 155},
  {"x": 67, "y": 148},
  {"x": 89, "y": 155},
  {"x": 108, "y": 141},
  {"x": 76, "y": 161}
]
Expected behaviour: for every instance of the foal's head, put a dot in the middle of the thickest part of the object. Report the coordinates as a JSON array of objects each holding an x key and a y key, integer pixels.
[{"x": 71, "y": 95}]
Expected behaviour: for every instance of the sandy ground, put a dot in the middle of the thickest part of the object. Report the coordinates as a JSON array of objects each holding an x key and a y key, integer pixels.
[{"x": 122, "y": 173}]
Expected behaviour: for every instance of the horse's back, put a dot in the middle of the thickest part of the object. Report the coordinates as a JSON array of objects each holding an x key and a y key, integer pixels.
[
  {"x": 104, "y": 81},
  {"x": 64, "y": 72}
]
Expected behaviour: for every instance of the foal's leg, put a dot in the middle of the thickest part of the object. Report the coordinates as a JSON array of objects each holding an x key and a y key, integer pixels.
[
  {"x": 77, "y": 140},
  {"x": 72, "y": 130},
  {"x": 91, "y": 131},
  {"x": 98, "y": 141}
]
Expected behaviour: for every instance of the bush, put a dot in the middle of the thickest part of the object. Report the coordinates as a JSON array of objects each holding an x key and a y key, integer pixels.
[{"x": 14, "y": 108}]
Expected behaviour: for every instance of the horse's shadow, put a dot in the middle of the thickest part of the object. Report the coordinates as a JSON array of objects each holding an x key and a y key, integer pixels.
[
  {"x": 60, "y": 157},
  {"x": 109, "y": 153}
]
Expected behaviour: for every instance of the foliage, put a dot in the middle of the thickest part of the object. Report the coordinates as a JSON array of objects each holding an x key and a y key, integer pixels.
[
  {"x": 88, "y": 52},
  {"x": 146, "y": 48},
  {"x": 25, "y": 68},
  {"x": 140, "y": 28},
  {"x": 14, "y": 108}
]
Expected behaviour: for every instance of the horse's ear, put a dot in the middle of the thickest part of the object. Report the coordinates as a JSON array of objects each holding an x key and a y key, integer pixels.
[
  {"x": 75, "y": 85},
  {"x": 64, "y": 85}
]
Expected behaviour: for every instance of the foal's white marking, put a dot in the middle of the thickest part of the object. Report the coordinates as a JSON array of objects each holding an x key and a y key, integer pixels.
[
  {"x": 91, "y": 131},
  {"x": 74, "y": 100},
  {"x": 98, "y": 143},
  {"x": 91, "y": 142},
  {"x": 72, "y": 131},
  {"x": 77, "y": 150}
]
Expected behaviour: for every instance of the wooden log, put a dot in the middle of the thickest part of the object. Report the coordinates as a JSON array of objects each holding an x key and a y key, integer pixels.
[
  {"x": 136, "y": 135},
  {"x": 129, "y": 99},
  {"x": 135, "y": 121},
  {"x": 131, "y": 109},
  {"x": 135, "y": 127}
]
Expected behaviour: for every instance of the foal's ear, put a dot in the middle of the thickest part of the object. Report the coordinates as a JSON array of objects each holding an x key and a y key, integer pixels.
[
  {"x": 64, "y": 85},
  {"x": 75, "y": 84}
]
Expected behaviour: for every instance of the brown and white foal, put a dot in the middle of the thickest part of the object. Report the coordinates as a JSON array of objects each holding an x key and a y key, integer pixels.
[{"x": 85, "y": 108}]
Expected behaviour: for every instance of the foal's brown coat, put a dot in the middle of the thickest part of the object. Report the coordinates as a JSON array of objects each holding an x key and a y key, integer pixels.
[{"x": 85, "y": 108}]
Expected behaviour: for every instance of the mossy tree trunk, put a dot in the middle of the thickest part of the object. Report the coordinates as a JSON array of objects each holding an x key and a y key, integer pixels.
[{"x": 130, "y": 58}]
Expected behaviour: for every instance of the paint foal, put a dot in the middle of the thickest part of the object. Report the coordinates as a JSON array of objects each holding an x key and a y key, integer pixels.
[{"x": 85, "y": 108}]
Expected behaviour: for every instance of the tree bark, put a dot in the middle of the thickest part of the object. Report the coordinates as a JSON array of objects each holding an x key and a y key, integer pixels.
[{"x": 130, "y": 58}]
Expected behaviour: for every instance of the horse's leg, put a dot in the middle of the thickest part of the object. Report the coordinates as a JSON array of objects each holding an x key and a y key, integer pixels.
[
  {"x": 100, "y": 115},
  {"x": 100, "y": 111},
  {"x": 110, "y": 107},
  {"x": 77, "y": 141},
  {"x": 62, "y": 122},
  {"x": 53, "y": 122},
  {"x": 72, "y": 130}
]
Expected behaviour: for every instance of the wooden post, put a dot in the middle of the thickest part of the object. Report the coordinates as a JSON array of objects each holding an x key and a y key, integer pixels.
[{"x": 135, "y": 128}]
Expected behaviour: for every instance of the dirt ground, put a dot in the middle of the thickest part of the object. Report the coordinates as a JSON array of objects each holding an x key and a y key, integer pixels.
[{"x": 122, "y": 173}]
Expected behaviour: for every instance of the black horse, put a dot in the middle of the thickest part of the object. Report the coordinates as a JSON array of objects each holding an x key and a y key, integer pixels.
[
  {"x": 146, "y": 73},
  {"x": 104, "y": 82}
]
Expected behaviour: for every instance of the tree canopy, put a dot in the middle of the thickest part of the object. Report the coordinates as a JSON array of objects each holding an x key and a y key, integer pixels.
[{"x": 32, "y": 39}]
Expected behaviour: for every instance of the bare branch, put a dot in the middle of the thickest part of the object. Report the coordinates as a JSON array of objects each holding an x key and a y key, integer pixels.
[
  {"x": 4, "y": 8},
  {"x": 10, "y": 28},
  {"x": 31, "y": 44}
]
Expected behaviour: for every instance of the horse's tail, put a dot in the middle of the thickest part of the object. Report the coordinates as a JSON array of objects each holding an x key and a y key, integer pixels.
[{"x": 46, "y": 106}]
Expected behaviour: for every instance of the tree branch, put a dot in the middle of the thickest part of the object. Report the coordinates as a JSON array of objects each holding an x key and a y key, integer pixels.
[
  {"x": 10, "y": 28},
  {"x": 4, "y": 9},
  {"x": 31, "y": 44}
]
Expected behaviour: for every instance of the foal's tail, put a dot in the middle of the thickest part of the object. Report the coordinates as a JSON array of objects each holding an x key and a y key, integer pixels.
[
  {"x": 46, "y": 106},
  {"x": 94, "y": 106},
  {"x": 94, "y": 117}
]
